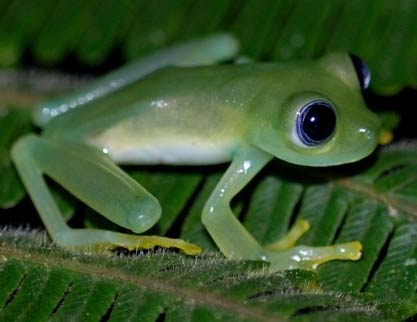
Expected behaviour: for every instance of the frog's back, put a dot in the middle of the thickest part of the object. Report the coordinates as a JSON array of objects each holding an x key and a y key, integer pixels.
[
  {"x": 197, "y": 108},
  {"x": 197, "y": 89}
]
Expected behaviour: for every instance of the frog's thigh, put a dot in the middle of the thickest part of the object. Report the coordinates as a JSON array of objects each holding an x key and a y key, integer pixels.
[{"x": 94, "y": 179}]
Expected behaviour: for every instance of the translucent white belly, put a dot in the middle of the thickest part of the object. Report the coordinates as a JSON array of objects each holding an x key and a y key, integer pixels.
[{"x": 175, "y": 151}]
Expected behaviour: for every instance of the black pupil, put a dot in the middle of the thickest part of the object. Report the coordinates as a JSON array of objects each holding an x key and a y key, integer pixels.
[{"x": 316, "y": 123}]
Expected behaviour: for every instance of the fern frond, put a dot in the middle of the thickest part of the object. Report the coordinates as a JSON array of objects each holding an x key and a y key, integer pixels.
[{"x": 40, "y": 282}]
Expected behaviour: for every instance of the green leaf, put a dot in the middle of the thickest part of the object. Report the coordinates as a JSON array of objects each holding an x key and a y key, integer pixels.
[
  {"x": 271, "y": 208},
  {"x": 173, "y": 188},
  {"x": 369, "y": 223},
  {"x": 268, "y": 30},
  {"x": 397, "y": 275},
  {"x": 48, "y": 283}
]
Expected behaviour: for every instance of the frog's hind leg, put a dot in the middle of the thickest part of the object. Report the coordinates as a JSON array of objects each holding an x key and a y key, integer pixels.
[
  {"x": 203, "y": 51},
  {"x": 92, "y": 177}
]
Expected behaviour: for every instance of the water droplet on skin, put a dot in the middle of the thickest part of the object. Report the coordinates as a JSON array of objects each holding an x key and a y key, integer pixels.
[
  {"x": 306, "y": 252},
  {"x": 296, "y": 258},
  {"x": 159, "y": 104},
  {"x": 246, "y": 165},
  {"x": 366, "y": 132}
]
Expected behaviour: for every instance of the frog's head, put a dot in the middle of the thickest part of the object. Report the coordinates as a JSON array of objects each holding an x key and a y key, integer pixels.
[{"x": 321, "y": 117}]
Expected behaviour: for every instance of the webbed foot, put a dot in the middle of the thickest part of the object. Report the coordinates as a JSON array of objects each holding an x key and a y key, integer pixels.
[
  {"x": 283, "y": 255},
  {"x": 101, "y": 241}
]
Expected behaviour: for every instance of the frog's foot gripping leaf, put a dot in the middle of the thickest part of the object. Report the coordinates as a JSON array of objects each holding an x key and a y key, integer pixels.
[
  {"x": 107, "y": 240},
  {"x": 283, "y": 255}
]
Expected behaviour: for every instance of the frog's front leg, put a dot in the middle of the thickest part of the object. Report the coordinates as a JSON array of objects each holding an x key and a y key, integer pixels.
[
  {"x": 229, "y": 234},
  {"x": 235, "y": 241},
  {"x": 93, "y": 178}
]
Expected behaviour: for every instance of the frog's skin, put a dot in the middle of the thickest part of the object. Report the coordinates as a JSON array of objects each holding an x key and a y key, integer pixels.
[{"x": 243, "y": 114}]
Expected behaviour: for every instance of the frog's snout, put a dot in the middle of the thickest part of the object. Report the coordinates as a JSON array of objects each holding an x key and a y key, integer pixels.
[
  {"x": 371, "y": 132},
  {"x": 368, "y": 137}
]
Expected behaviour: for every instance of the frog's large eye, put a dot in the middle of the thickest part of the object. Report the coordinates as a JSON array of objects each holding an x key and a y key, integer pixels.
[
  {"x": 362, "y": 71},
  {"x": 315, "y": 123}
]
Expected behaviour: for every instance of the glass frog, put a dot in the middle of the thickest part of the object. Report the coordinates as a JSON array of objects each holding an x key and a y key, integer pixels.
[{"x": 176, "y": 107}]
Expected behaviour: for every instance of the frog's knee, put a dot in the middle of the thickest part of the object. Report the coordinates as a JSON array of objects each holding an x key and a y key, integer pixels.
[
  {"x": 23, "y": 144},
  {"x": 144, "y": 215}
]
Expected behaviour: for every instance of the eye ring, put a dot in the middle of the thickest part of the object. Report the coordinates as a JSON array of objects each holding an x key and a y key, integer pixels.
[
  {"x": 316, "y": 123},
  {"x": 362, "y": 71}
]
